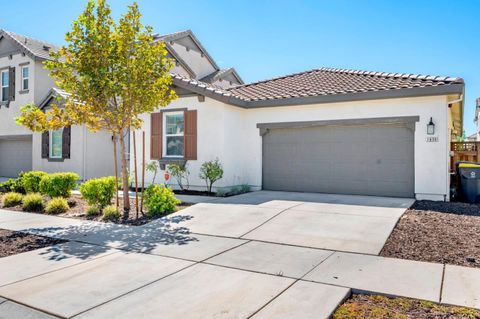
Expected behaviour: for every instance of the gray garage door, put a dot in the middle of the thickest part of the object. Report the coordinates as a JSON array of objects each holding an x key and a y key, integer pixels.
[
  {"x": 15, "y": 156},
  {"x": 373, "y": 159}
]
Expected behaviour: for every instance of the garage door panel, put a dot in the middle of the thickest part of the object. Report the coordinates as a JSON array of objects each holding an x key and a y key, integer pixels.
[
  {"x": 15, "y": 156},
  {"x": 371, "y": 160}
]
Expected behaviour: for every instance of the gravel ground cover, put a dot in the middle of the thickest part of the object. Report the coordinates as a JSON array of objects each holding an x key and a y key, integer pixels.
[
  {"x": 442, "y": 232},
  {"x": 12, "y": 242}
]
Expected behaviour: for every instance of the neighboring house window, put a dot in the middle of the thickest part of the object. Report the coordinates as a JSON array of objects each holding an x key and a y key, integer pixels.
[
  {"x": 25, "y": 77},
  {"x": 56, "y": 143},
  {"x": 5, "y": 83},
  {"x": 173, "y": 134}
]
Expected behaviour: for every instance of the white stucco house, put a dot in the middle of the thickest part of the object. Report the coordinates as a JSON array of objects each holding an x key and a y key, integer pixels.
[{"x": 325, "y": 130}]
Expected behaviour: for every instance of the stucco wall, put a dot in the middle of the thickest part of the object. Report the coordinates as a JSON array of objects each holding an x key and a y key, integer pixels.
[
  {"x": 91, "y": 154},
  {"x": 230, "y": 133},
  {"x": 210, "y": 143},
  {"x": 431, "y": 158},
  {"x": 198, "y": 63},
  {"x": 8, "y": 115}
]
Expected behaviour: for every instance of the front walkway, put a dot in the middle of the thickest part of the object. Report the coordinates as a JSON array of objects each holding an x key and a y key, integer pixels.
[{"x": 257, "y": 255}]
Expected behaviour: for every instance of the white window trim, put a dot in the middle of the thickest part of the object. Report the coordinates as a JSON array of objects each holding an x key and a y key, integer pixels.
[
  {"x": 25, "y": 78},
  {"x": 50, "y": 145},
  {"x": 164, "y": 134},
  {"x": 3, "y": 86}
]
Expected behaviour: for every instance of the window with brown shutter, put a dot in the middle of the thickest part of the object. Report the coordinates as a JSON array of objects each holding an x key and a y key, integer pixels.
[
  {"x": 190, "y": 144},
  {"x": 66, "y": 141},
  {"x": 45, "y": 144},
  {"x": 156, "y": 135}
]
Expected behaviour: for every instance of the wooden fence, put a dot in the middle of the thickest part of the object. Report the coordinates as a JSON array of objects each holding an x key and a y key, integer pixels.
[{"x": 464, "y": 151}]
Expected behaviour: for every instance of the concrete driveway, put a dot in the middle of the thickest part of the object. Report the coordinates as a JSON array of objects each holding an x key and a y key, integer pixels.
[{"x": 258, "y": 255}]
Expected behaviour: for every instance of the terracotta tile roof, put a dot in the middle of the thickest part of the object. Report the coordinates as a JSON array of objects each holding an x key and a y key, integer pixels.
[
  {"x": 326, "y": 85},
  {"x": 328, "y": 81}
]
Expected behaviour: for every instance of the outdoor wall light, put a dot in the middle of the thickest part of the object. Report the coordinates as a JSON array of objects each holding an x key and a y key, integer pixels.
[{"x": 430, "y": 127}]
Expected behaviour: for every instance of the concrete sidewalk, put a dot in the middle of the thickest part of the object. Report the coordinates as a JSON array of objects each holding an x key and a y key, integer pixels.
[{"x": 278, "y": 258}]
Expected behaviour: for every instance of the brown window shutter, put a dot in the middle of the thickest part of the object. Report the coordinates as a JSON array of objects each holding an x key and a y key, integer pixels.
[
  {"x": 11, "y": 84},
  {"x": 66, "y": 141},
  {"x": 45, "y": 144},
  {"x": 190, "y": 144},
  {"x": 156, "y": 136}
]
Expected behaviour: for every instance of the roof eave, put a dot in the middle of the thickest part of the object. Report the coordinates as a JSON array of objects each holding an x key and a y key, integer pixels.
[
  {"x": 362, "y": 96},
  {"x": 334, "y": 98}
]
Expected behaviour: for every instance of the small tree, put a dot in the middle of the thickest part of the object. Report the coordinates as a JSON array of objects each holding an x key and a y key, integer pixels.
[
  {"x": 112, "y": 72},
  {"x": 152, "y": 167},
  {"x": 211, "y": 172},
  {"x": 181, "y": 175}
]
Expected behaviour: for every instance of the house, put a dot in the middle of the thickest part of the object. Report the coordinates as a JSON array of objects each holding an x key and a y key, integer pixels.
[
  {"x": 25, "y": 80},
  {"x": 325, "y": 130}
]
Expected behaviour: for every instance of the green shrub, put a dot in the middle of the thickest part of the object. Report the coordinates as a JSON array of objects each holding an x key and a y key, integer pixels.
[
  {"x": 32, "y": 202},
  {"x": 58, "y": 184},
  {"x": 93, "y": 211},
  {"x": 111, "y": 212},
  {"x": 12, "y": 199},
  {"x": 211, "y": 172},
  {"x": 98, "y": 191},
  {"x": 181, "y": 174},
  {"x": 12, "y": 185},
  {"x": 159, "y": 200},
  {"x": 57, "y": 205},
  {"x": 31, "y": 181}
]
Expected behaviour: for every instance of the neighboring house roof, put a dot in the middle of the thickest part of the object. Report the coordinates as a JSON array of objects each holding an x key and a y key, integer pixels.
[
  {"x": 36, "y": 49},
  {"x": 53, "y": 93},
  {"x": 327, "y": 85},
  {"x": 221, "y": 74},
  {"x": 188, "y": 33}
]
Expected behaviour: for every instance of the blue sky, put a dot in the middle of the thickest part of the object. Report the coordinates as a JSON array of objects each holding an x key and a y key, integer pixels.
[{"x": 263, "y": 39}]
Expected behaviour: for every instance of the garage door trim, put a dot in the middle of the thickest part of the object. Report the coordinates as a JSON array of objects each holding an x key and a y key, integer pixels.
[{"x": 264, "y": 127}]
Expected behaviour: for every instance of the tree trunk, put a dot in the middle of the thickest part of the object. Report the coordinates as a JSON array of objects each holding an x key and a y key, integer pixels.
[
  {"x": 114, "y": 139},
  {"x": 126, "y": 200}
]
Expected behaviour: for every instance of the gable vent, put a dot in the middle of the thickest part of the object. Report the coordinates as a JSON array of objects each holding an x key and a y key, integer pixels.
[{"x": 46, "y": 48}]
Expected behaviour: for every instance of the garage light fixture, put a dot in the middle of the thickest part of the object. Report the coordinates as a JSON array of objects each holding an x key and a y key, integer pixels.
[{"x": 430, "y": 127}]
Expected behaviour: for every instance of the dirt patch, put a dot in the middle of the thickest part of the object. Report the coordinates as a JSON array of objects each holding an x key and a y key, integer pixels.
[
  {"x": 437, "y": 232},
  {"x": 12, "y": 243},
  {"x": 380, "y": 307}
]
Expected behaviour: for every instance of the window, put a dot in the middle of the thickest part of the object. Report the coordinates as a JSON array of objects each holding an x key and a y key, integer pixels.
[
  {"x": 5, "y": 83},
  {"x": 173, "y": 134},
  {"x": 56, "y": 142},
  {"x": 25, "y": 77}
]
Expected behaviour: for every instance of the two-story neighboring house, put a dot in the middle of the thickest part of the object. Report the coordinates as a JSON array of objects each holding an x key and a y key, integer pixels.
[{"x": 25, "y": 80}]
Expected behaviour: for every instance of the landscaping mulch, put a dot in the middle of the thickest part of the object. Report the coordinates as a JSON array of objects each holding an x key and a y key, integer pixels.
[
  {"x": 12, "y": 242},
  {"x": 442, "y": 232},
  {"x": 79, "y": 207},
  {"x": 380, "y": 307}
]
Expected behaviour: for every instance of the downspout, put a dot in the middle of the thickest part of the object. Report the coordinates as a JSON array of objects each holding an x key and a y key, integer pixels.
[{"x": 448, "y": 142}]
